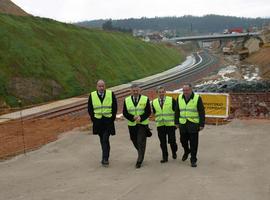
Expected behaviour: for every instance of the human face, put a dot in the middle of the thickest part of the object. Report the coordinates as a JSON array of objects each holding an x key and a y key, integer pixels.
[
  {"x": 187, "y": 90},
  {"x": 161, "y": 93},
  {"x": 135, "y": 91},
  {"x": 101, "y": 86}
]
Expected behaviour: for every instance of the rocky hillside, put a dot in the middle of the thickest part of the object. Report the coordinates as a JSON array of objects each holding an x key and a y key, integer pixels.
[
  {"x": 262, "y": 60},
  {"x": 8, "y": 7}
]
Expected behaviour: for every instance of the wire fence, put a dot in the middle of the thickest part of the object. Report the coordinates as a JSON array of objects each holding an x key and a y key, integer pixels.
[{"x": 20, "y": 136}]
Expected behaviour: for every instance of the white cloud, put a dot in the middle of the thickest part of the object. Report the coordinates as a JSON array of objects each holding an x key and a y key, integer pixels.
[{"x": 71, "y": 10}]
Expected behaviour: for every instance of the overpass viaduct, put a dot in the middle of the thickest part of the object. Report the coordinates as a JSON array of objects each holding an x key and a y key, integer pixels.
[{"x": 214, "y": 37}]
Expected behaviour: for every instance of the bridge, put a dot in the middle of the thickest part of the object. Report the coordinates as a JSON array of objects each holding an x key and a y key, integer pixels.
[{"x": 214, "y": 37}]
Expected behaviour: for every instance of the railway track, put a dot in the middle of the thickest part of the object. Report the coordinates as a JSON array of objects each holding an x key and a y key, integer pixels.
[{"x": 203, "y": 60}]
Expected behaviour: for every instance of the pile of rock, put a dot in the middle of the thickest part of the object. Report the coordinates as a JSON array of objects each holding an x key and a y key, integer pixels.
[{"x": 236, "y": 86}]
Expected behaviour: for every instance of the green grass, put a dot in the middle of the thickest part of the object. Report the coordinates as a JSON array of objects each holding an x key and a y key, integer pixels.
[{"x": 43, "y": 49}]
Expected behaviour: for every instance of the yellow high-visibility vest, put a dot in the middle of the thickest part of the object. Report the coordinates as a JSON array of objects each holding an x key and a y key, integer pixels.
[
  {"x": 188, "y": 111},
  {"x": 138, "y": 110},
  {"x": 104, "y": 108},
  {"x": 164, "y": 116}
]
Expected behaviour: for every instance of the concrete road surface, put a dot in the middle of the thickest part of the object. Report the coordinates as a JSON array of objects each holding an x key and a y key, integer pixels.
[{"x": 234, "y": 164}]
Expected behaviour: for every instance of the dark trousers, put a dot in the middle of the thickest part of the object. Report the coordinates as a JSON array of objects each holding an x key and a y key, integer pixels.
[
  {"x": 138, "y": 137},
  {"x": 163, "y": 133},
  {"x": 189, "y": 138},
  {"x": 105, "y": 144}
]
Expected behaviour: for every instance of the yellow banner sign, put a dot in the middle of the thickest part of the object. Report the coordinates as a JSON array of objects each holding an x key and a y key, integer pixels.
[{"x": 216, "y": 104}]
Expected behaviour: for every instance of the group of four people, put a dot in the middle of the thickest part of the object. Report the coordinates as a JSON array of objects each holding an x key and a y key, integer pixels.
[{"x": 187, "y": 113}]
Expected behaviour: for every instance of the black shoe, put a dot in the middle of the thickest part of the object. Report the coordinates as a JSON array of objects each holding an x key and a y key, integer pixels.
[
  {"x": 164, "y": 160},
  {"x": 105, "y": 162},
  {"x": 185, "y": 156},
  {"x": 138, "y": 165},
  {"x": 174, "y": 155},
  {"x": 193, "y": 164}
]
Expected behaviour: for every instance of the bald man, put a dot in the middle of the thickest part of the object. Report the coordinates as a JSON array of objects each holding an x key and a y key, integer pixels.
[
  {"x": 190, "y": 117},
  {"x": 102, "y": 108}
]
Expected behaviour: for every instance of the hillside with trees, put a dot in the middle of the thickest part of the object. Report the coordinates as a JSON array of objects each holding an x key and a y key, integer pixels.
[{"x": 184, "y": 25}]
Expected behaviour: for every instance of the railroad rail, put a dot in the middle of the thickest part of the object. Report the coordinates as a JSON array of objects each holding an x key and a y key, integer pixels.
[{"x": 203, "y": 60}]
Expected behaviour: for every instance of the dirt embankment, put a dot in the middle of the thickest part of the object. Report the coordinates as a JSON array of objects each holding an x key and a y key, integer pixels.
[
  {"x": 262, "y": 60},
  {"x": 8, "y": 7}
]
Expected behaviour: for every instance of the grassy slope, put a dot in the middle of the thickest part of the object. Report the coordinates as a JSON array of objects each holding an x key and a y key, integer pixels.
[{"x": 43, "y": 49}]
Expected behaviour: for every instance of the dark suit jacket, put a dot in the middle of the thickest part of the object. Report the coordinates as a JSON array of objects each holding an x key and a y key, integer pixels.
[{"x": 105, "y": 123}]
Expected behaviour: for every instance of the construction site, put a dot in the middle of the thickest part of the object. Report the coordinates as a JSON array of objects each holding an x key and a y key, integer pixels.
[{"x": 48, "y": 150}]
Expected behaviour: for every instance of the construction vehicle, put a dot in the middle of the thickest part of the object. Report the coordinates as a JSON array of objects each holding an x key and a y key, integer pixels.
[
  {"x": 243, "y": 53},
  {"x": 227, "y": 50}
]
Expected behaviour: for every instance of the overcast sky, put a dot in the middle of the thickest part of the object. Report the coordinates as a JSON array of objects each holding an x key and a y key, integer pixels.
[{"x": 79, "y": 10}]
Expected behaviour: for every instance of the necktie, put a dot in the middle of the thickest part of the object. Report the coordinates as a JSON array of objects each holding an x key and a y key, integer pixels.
[
  {"x": 101, "y": 94},
  {"x": 161, "y": 103}
]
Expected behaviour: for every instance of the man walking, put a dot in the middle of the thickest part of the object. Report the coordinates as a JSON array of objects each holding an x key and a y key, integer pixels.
[
  {"x": 102, "y": 108},
  {"x": 190, "y": 115},
  {"x": 137, "y": 110},
  {"x": 164, "y": 109}
]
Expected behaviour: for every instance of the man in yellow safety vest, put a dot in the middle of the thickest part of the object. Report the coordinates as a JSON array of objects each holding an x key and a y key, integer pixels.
[
  {"x": 137, "y": 110},
  {"x": 164, "y": 110},
  {"x": 102, "y": 108},
  {"x": 190, "y": 116}
]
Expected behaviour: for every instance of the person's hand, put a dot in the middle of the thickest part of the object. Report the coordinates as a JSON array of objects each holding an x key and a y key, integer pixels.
[
  {"x": 201, "y": 128},
  {"x": 138, "y": 119}
]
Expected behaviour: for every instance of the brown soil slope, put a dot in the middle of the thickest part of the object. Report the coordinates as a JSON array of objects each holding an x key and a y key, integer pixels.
[
  {"x": 262, "y": 60},
  {"x": 8, "y": 7}
]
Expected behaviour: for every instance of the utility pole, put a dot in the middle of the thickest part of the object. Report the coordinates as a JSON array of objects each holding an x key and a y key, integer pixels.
[{"x": 22, "y": 131}]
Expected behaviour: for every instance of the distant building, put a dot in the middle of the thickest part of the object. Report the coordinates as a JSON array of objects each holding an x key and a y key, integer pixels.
[
  {"x": 207, "y": 44},
  {"x": 139, "y": 33},
  {"x": 146, "y": 39},
  {"x": 155, "y": 37},
  {"x": 169, "y": 33}
]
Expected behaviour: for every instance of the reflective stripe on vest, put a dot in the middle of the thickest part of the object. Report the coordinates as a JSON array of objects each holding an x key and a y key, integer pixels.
[
  {"x": 104, "y": 108},
  {"x": 138, "y": 110},
  {"x": 188, "y": 111},
  {"x": 164, "y": 116}
]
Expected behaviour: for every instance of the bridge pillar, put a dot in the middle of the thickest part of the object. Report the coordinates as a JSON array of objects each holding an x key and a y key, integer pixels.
[{"x": 200, "y": 43}]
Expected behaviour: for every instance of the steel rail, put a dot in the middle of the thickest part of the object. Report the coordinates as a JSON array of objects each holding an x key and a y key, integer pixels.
[{"x": 202, "y": 61}]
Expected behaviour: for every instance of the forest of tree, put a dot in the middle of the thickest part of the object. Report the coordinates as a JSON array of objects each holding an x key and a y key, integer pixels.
[
  {"x": 184, "y": 24},
  {"x": 107, "y": 25}
]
